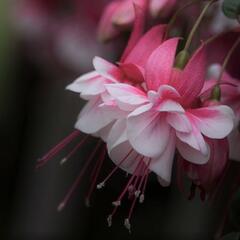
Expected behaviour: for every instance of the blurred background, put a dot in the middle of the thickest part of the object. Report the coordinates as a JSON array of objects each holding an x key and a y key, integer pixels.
[{"x": 44, "y": 46}]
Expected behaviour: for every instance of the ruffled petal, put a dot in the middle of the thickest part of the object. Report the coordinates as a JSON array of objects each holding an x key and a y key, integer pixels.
[
  {"x": 214, "y": 121},
  {"x": 93, "y": 118},
  {"x": 148, "y": 132},
  {"x": 169, "y": 106},
  {"x": 194, "y": 139},
  {"x": 162, "y": 165},
  {"x": 179, "y": 122},
  {"x": 127, "y": 96}
]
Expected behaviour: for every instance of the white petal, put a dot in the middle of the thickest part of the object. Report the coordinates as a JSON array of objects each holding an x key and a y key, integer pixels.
[
  {"x": 148, "y": 132},
  {"x": 93, "y": 118},
  {"x": 214, "y": 121},
  {"x": 162, "y": 165},
  {"x": 180, "y": 122},
  {"x": 192, "y": 155}
]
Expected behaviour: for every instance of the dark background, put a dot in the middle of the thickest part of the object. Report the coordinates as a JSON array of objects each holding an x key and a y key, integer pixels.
[{"x": 36, "y": 113}]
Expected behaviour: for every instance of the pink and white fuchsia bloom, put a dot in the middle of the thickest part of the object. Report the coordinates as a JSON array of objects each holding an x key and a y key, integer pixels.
[
  {"x": 166, "y": 114},
  {"x": 144, "y": 109}
]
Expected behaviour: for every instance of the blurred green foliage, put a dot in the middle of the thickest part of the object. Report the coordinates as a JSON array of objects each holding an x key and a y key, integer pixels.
[{"x": 231, "y": 8}]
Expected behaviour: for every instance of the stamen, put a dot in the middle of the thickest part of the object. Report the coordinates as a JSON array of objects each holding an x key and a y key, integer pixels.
[
  {"x": 118, "y": 202},
  {"x": 74, "y": 150},
  {"x": 110, "y": 216},
  {"x": 127, "y": 224},
  {"x": 57, "y": 148},
  {"x": 96, "y": 172},
  {"x": 78, "y": 179},
  {"x": 102, "y": 184},
  {"x": 145, "y": 180},
  {"x": 136, "y": 194}
]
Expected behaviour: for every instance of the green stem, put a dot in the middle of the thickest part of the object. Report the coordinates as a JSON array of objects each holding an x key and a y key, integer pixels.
[
  {"x": 227, "y": 58},
  {"x": 196, "y": 25},
  {"x": 216, "y": 92},
  {"x": 174, "y": 17}
]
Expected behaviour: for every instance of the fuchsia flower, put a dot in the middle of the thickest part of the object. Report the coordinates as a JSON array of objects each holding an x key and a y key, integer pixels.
[
  {"x": 119, "y": 15},
  {"x": 167, "y": 114},
  {"x": 144, "y": 109}
]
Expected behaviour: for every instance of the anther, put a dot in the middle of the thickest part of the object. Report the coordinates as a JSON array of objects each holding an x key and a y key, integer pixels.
[
  {"x": 63, "y": 161},
  {"x": 61, "y": 206},
  {"x": 101, "y": 185},
  {"x": 137, "y": 193},
  {"x": 141, "y": 198},
  {"x": 127, "y": 224},
  {"x": 109, "y": 220},
  {"x": 116, "y": 203},
  {"x": 87, "y": 202}
]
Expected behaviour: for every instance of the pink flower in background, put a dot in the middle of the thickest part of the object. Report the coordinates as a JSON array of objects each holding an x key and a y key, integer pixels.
[
  {"x": 119, "y": 15},
  {"x": 230, "y": 95},
  {"x": 64, "y": 31}
]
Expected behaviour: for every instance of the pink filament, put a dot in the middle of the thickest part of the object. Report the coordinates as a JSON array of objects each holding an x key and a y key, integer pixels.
[
  {"x": 57, "y": 148},
  {"x": 79, "y": 178}
]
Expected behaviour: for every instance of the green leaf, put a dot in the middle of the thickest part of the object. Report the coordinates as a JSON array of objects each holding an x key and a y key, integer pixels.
[
  {"x": 231, "y": 8},
  {"x": 232, "y": 236}
]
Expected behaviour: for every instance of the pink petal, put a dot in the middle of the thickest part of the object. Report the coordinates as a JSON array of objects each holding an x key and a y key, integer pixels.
[
  {"x": 192, "y": 78},
  {"x": 212, "y": 171},
  {"x": 162, "y": 165},
  {"x": 145, "y": 46},
  {"x": 93, "y": 118},
  {"x": 127, "y": 96},
  {"x": 138, "y": 28},
  {"x": 160, "y": 63},
  {"x": 133, "y": 72},
  {"x": 191, "y": 154},
  {"x": 168, "y": 92},
  {"x": 234, "y": 143},
  {"x": 124, "y": 16},
  {"x": 148, "y": 132},
  {"x": 179, "y": 122},
  {"x": 161, "y": 7},
  {"x": 214, "y": 121},
  {"x": 106, "y": 30}
]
